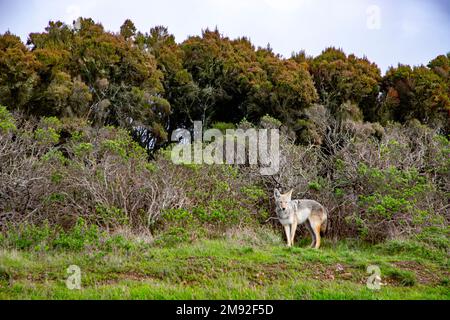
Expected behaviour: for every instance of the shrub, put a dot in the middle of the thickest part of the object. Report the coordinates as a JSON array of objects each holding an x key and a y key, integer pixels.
[
  {"x": 374, "y": 187},
  {"x": 173, "y": 236},
  {"x": 7, "y": 122},
  {"x": 29, "y": 236},
  {"x": 80, "y": 236},
  {"x": 48, "y": 131},
  {"x": 223, "y": 126}
]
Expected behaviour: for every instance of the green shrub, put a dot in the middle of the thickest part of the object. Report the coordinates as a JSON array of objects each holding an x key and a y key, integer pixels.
[
  {"x": 7, "y": 122},
  {"x": 120, "y": 242},
  {"x": 48, "y": 131},
  {"x": 46, "y": 136},
  {"x": 438, "y": 237},
  {"x": 269, "y": 122},
  {"x": 172, "y": 236},
  {"x": 223, "y": 126},
  {"x": 253, "y": 193},
  {"x": 56, "y": 156},
  {"x": 177, "y": 215},
  {"x": 314, "y": 185},
  {"x": 122, "y": 145},
  {"x": 80, "y": 236},
  {"x": 28, "y": 236},
  {"x": 391, "y": 196},
  {"x": 83, "y": 149},
  {"x": 111, "y": 216},
  {"x": 151, "y": 167},
  {"x": 55, "y": 197}
]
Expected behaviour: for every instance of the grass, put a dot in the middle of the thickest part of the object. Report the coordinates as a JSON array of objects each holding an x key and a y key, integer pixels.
[{"x": 228, "y": 268}]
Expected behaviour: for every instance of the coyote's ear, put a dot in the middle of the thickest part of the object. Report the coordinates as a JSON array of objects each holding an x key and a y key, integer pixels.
[
  {"x": 276, "y": 193},
  {"x": 289, "y": 194}
]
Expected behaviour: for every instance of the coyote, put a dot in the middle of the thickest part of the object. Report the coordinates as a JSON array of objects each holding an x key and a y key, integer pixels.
[{"x": 294, "y": 212}]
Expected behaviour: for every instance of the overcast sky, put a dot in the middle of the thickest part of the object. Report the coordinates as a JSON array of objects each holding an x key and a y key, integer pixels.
[{"x": 387, "y": 32}]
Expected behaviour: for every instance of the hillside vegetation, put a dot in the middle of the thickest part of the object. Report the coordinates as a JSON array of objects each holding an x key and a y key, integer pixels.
[{"x": 86, "y": 176}]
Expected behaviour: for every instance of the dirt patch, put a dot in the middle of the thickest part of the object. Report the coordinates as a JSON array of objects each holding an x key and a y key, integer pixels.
[
  {"x": 423, "y": 274},
  {"x": 123, "y": 276},
  {"x": 267, "y": 273},
  {"x": 336, "y": 271}
]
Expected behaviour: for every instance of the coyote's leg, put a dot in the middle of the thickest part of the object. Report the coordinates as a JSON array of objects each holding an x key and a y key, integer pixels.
[
  {"x": 288, "y": 234},
  {"x": 317, "y": 232},
  {"x": 315, "y": 226},
  {"x": 313, "y": 236},
  {"x": 293, "y": 229}
]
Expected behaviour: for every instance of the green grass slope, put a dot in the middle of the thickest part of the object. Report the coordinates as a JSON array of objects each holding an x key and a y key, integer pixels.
[{"x": 229, "y": 268}]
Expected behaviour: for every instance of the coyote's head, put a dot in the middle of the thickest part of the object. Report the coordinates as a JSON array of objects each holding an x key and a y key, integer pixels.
[{"x": 282, "y": 200}]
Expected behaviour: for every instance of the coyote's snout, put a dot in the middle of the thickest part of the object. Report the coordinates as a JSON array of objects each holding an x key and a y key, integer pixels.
[{"x": 294, "y": 212}]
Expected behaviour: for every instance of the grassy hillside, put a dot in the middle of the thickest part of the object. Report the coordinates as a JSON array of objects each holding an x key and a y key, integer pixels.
[
  {"x": 143, "y": 228},
  {"x": 236, "y": 266},
  {"x": 89, "y": 136}
]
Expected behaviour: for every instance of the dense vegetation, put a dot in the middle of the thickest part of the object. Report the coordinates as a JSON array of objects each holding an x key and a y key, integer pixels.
[
  {"x": 149, "y": 84},
  {"x": 86, "y": 117}
]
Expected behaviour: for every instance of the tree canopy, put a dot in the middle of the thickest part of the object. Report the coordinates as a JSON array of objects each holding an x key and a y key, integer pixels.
[{"x": 150, "y": 84}]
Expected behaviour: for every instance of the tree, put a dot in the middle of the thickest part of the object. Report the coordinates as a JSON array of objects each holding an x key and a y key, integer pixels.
[
  {"x": 441, "y": 66},
  {"x": 227, "y": 73},
  {"x": 179, "y": 89},
  {"x": 128, "y": 30},
  {"x": 18, "y": 72},
  {"x": 237, "y": 81},
  {"x": 291, "y": 86},
  {"x": 103, "y": 76},
  {"x": 340, "y": 78},
  {"x": 416, "y": 93}
]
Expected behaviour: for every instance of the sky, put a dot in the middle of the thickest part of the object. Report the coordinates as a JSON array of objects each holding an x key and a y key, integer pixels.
[{"x": 386, "y": 32}]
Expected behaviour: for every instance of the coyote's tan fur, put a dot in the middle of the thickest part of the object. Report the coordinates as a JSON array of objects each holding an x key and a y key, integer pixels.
[{"x": 291, "y": 213}]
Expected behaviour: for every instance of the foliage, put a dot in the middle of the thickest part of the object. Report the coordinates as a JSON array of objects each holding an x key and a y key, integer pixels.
[
  {"x": 89, "y": 114},
  {"x": 417, "y": 93},
  {"x": 7, "y": 122},
  {"x": 150, "y": 84},
  {"x": 376, "y": 186},
  {"x": 340, "y": 78}
]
